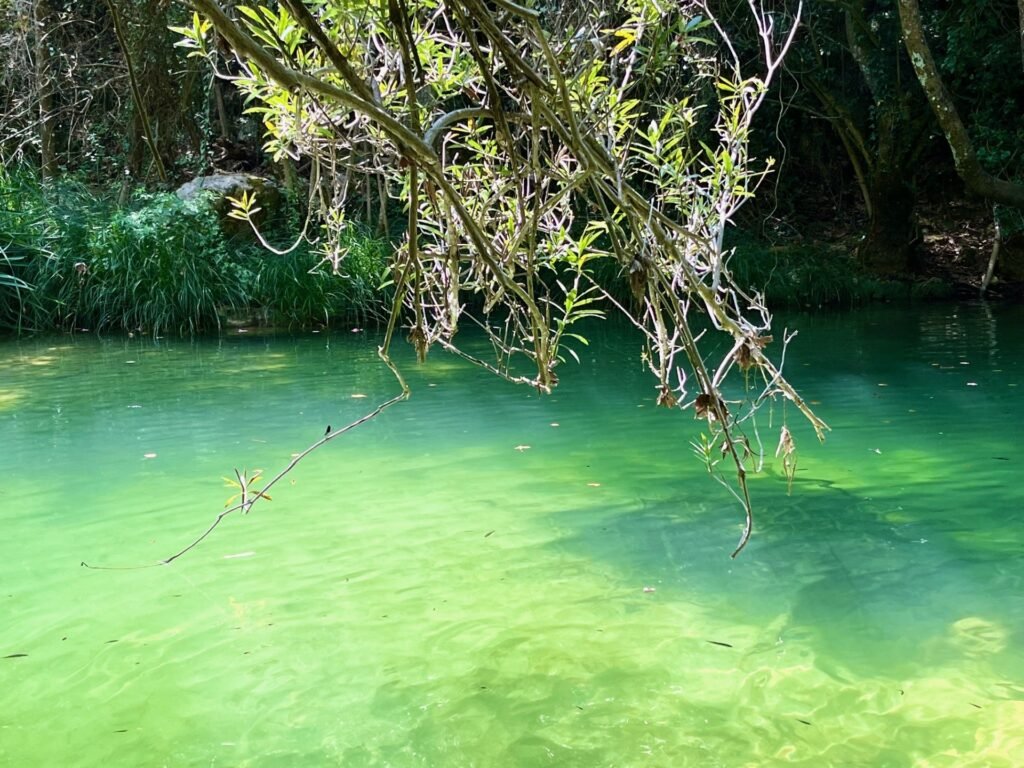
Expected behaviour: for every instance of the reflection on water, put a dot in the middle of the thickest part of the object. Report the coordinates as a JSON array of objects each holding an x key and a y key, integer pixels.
[{"x": 421, "y": 593}]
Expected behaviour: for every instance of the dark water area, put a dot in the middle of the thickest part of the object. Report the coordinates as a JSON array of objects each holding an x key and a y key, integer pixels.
[{"x": 487, "y": 576}]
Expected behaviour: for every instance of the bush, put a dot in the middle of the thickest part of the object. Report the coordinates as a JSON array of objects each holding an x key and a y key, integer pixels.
[
  {"x": 70, "y": 258},
  {"x": 26, "y": 237},
  {"x": 160, "y": 268},
  {"x": 814, "y": 276},
  {"x": 301, "y": 289}
]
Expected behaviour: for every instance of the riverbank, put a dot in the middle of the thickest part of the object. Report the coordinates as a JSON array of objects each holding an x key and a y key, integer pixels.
[
  {"x": 73, "y": 258},
  {"x": 813, "y": 263}
]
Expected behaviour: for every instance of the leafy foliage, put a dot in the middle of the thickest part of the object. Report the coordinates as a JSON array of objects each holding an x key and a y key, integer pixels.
[
  {"x": 76, "y": 260},
  {"x": 302, "y": 288},
  {"x": 162, "y": 267},
  {"x": 978, "y": 49},
  {"x": 526, "y": 156}
]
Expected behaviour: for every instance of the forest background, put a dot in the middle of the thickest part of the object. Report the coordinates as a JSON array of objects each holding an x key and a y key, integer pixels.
[{"x": 103, "y": 115}]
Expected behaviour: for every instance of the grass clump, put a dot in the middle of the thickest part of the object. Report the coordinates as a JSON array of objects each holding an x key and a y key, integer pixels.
[
  {"x": 302, "y": 289},
  {"x": 26, "y": 237},
  {"x": 71, "y": 258},
  {"x": 162, "y": 267},
  {"x": 816, "y": 276}
]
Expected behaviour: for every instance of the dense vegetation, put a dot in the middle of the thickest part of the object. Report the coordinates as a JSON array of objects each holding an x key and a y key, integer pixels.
[
  {"x": 542, "y": 159},
  {"x": 99, "y": 102},
  {"x": 75, "y": 259}
]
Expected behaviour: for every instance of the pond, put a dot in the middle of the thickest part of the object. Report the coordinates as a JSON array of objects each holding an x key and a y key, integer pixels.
[{"x": 484, "y": 576}]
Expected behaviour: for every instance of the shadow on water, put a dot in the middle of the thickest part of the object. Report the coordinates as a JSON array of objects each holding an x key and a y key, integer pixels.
[
  {"x": 842, "y": 589},
  {"x": 899, "y": 547}
]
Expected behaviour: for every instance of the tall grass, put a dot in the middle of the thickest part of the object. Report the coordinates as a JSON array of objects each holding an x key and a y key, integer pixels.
[
  {"x": 73, "y": 259},
  {"x": 815, "y": 276},
  {"x": 161, "y": 268},
  {"x": 301, "y": 289},
  {"x": 25, "y": 236}
]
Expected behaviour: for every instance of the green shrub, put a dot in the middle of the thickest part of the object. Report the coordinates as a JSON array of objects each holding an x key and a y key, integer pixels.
[
  {"x": 808, "y": 276},
  {"x": 301, "y": 289},
  {"x": 71, "y": 258},
  {"x": 160, "y": 268},
  {"x": 26, "y": 238}
]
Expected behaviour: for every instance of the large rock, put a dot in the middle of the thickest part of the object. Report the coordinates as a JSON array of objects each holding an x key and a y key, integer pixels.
[{"x": 219, "y": 187}]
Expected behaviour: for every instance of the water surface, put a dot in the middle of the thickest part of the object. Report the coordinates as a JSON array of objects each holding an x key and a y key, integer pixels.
[{"x": 429, "y": 591}]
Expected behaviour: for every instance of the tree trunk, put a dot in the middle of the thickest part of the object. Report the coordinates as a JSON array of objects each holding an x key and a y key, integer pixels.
[
  {"x": 44, "y": 84},
  {"x": 222, "y": 112},
  {"x": 1020, "y": 10},
  {"x": 977, "y": 179},
  {"x": 136, "y": 147},
  {"x": 218, "y": 99},
  {"x": 994, "y": 256},
  {"x": 140, "y": 104},
  {"x": 884, "y": 148},
  {"x": 888, "y": 246}
]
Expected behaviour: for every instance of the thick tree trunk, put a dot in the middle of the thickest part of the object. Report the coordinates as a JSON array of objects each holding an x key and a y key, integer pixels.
[
  {"x": 883, "y": 150},
  {"x": 888, "y": 245},
  {"x": 44, "y": 85},
  {"x": 977, "y": 179}
]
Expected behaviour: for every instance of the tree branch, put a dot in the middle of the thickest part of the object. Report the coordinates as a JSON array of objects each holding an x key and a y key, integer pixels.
[
  {"x": 140, "y": 104},
  {"x": 968, "y": 166}
]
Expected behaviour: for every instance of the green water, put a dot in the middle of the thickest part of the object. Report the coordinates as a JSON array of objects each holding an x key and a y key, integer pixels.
[{"x": 422, "y": 593}]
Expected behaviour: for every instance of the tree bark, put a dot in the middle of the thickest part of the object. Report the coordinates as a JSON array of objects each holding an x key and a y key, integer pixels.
[
  {"x": 222, "y": 112},
  {"x": 881, "y": 134},
  {"x": 968, "y": 166},
  {"x": 888, "y": 244},
  {"x": 994, "y": 257},
  {"x": 218, "y": 100},
  {"x": 44, "y": 86}
]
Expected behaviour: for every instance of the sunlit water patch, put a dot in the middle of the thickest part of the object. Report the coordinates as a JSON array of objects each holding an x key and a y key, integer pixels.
[{"x": 483, "y": 576}]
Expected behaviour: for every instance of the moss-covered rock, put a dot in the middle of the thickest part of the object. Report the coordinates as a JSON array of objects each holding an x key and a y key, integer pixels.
[{"x": 222, "y": 186}]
